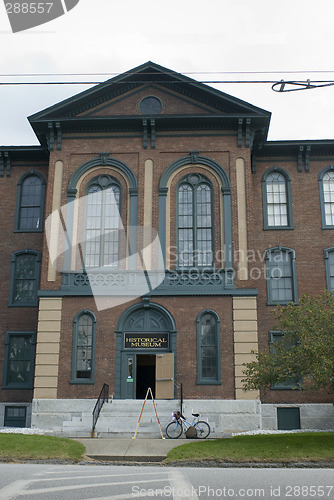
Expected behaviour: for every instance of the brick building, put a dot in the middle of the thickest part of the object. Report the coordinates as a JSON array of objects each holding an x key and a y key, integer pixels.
[{"x": 146, "y": 242}]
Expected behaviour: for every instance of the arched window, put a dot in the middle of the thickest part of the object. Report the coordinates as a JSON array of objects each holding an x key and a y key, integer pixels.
[
  {"x": 329, "y": 260},
  {"x": 84, "y": 331},
  {"x": 276, "y": 200},
  {"x": 326, "y": 184},
  {"x": 194, "y": 222},
  {"x": 281, "y": 275},
  {"x": 103, "y": 223},
  {"x": 30, "y": 203},
  {"x": 208, "y": 348},
  {"x": 25, "y": 278},
  {"x": 19, "y": 360}
]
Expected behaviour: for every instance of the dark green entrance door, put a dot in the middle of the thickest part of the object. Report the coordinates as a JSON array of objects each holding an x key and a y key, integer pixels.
[
  {"x": 137, "y": 375},
  {"x": 128, "y": 375}
]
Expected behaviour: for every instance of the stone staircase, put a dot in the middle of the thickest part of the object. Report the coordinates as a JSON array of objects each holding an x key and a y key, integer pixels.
[{"x": 119, "y": 418}]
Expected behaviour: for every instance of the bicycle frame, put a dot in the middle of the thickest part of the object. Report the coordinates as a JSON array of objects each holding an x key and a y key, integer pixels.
[
  {"x": 180, "y": 425},
  {"x": 188, "y": 424}
]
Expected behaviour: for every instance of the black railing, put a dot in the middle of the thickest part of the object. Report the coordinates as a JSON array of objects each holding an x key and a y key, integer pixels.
[
  {"x": 181, "y": 399},
  {"x": 103, "y": 397}
]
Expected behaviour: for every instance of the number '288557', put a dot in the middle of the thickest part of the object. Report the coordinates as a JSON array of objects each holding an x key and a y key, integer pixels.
[{"x": 29, "y": 7}]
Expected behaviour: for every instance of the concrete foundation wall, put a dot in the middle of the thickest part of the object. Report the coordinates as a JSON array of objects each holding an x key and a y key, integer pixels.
[
  {"x": 53, "y": 414},
  {"x": 312, "y": 416},
  {"x": 120, "y": 417}
]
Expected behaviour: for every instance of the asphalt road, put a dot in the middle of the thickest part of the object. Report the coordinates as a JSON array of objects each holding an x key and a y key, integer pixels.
[{"x": 118, "y": 482}]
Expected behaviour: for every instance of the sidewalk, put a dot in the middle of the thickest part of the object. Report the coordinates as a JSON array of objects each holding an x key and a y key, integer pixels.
[
  {"x": 150, "y": 450},
  {"x": 145, "y": 450},
  {"x": 129, "y": 449}
]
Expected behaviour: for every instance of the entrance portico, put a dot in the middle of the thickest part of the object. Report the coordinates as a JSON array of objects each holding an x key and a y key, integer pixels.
[{"x": 146, "y": 351}]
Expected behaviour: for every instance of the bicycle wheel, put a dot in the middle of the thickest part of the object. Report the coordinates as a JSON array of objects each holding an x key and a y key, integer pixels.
[
  {"x": 174, "y": 430},
  {"x": 203, "y": 429}
]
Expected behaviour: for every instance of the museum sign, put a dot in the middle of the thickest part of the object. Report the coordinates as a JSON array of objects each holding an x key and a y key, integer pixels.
[{"x": 146, "y": 340}]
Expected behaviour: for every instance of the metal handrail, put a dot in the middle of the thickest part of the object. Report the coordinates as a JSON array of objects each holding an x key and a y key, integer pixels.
[
  {"x": 103, "y": 397},
  {"x": 181, "y": 399}
]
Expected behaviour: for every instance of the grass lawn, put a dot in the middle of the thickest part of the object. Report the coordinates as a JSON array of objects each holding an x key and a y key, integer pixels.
[
  {"x": 35, "y": 447},
  {"x": 301, "y": 447}
]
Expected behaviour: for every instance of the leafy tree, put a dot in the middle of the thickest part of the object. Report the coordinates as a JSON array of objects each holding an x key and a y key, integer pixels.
[{"x": 304, "y": 355}]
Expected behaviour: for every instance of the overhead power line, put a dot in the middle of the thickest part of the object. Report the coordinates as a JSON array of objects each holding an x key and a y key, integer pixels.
[
  {"x": 291, "y": 86},
  {"x": 281, "y": 86},
  {"x": 277, "y": 86},
  {"x": 139, "y": 81},
  {"x": 129, "y": 73}
]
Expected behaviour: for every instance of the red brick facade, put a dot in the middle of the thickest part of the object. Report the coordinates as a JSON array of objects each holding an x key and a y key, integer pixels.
[{"x": 193, "y": 118}]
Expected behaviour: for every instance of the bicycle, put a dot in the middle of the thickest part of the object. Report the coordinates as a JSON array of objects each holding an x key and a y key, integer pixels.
[{"x": 180, "y": 424}]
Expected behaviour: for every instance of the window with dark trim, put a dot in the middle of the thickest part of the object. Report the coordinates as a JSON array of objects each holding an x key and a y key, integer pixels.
[
  {"x": 281, "y": 275},
  {"x": 194, "y": 222},
  {"x": 15, "y": 416},
  {"x": 30, "y": 203},
  {"x": 208, "y": 348},
  {"x": 103, "y": 223},
  {"x": 25, "y": 278},
  {"x": 276, "y": 193},
  {"x": 326, "y": 186},
  {"x": 274, "y": 337},
  {"x": 84, "y": 331},
  {"x": 329, "y": 261},
  {"x": 19, "y": 360},
  {"x": 288, "y": 418}
]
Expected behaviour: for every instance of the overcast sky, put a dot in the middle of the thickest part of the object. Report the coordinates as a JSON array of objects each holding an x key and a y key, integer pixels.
[{"x": 188, "y": 36}]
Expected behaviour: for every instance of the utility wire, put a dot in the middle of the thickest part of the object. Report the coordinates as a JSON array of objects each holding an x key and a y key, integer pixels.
[
  {"x": 129, "y": 73},
  {"x": 299, "y": 85},
  {"x": 293, "y": 86},
  {"x": 140, "y": 81},
  {"x": 277, "y": 86}
]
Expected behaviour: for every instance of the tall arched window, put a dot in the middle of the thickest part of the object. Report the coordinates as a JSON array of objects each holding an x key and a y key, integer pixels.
[
  {"x": 281, "y": 275},
  {"x": 194, "y": 222},
  {"x": 103, "y": 223},
  {"x": 84, "y": 328},
  {"x": 329, "y": 261},
  {"x": 25, "y": 278},
  {"x": 208, "y": 348},
  {"x": 276, "y": 200},
  {"x": 326, "y": 184},
  {"x": 30, "y": 203}
]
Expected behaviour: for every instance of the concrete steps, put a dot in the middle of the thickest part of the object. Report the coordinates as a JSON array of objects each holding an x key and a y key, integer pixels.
[{"x": 119, "y": 418}]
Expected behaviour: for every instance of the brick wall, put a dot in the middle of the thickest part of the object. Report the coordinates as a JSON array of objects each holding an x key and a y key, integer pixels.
[
  {"x": 307, "y": 239},
  {"x": 14, "y": 318},
  {"x": 184, "y": 312}
]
